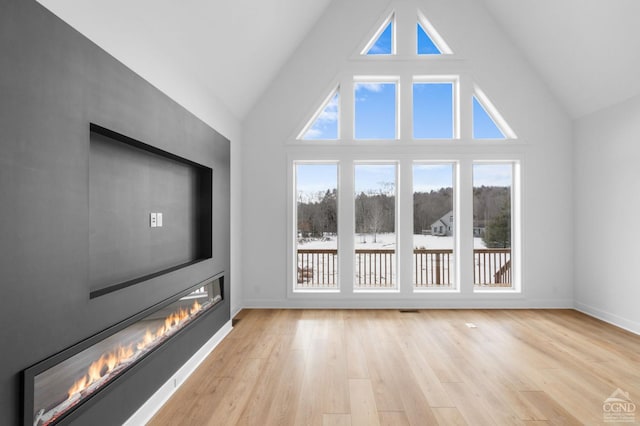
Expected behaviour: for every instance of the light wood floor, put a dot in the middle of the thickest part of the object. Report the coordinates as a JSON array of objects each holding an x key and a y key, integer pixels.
[{"x": 370, "y": 367}]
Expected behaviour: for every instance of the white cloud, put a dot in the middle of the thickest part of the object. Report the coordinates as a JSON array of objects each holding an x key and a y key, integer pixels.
[
  {"x": 330, "y": 112},
  {"x": 313, "y": 133},
  {"x": 371, "y": 87},
  {"x": 325, "y": 121}
]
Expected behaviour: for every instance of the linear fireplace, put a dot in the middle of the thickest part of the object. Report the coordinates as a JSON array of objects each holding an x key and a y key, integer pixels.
[{"x": 59, "y": 386}]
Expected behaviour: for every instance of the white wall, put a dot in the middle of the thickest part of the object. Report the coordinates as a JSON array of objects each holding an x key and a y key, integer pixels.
[
  {"x": 607, "y": 181},
  {"x": 485, "y": 56}
]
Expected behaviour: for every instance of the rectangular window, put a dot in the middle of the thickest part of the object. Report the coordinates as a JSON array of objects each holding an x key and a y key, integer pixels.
[
  {"x": 316, "y": 263},
  {"x": 433, "y": 208},
  {"x": 433, "y": 110},
  {"x": 375, "y": 226},
  {"x": 375, "y": 110},
  {"x": 492, "y": 224}
]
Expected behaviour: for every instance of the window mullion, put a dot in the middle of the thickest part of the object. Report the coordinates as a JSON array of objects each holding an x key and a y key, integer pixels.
[
  {"x": 464, "y": 235},
  {"x": 465, "y": 107},
  {"x": 346, "y": 108},
  {"x": 405, "y": 31},
  {"x": 405, "y": 228},
  {"x": 405, "y": 107},
  {"x": 346, "y": 225}
]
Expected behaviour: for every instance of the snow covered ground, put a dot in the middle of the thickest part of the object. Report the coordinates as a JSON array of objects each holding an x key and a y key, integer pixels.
[{"x": 385, "y": 241}]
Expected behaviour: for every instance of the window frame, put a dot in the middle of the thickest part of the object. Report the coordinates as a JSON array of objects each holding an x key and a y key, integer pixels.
[
  {"x": 404, "y": 67},
  {"x": 318, "y": 113},
  {"x": 293, "y": 222},
  {"x": 397, "y": 203},
  {"x": 516, "y": 228},
  {"x": 347, "y": 158},
  {"x": 455, "y": 224},
  {"x": 390, "y": 19}
]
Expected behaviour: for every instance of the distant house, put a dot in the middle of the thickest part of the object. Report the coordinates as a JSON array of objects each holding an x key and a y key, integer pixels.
[
  {"x": 478, "y": 231},
  {"x": 443, "y": 227}
]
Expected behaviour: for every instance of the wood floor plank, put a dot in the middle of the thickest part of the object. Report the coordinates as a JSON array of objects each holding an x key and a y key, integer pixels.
[
  {"x": 394, "y": 418},
  {"x": 471, "y": 406},
  {"x": 336, "y": 420},
  {"x": 356, "y": 355},
  {"x": 551, "y": 411},
  {"x": 309, "y": 410},
  {"x": 448, "y": 416},
  {"x": 237, "y": 394},
  {"x": 362, "y": 403},
  {"x": 569, "y": 391},
  {"x": 257, "y": 407},
  {"x": 426, "y": 378},
  {"x": 336, "y": 396},
  {"x": 380, "y": 364},
  {"x": 368, "y": 367},
  {"x": 286, "y": 392}
]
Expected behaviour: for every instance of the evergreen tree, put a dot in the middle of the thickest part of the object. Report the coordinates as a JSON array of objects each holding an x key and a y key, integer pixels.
[{"x": 497, "y": 234}]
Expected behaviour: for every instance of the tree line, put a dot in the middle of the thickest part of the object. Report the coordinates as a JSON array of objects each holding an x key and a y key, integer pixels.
[{"x": 375, "y": 212}]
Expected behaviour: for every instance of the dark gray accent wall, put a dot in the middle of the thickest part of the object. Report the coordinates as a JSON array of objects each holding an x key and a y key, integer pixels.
[
  {"x": 53, "y": 83},
  {"x": 126, "y": 184}
]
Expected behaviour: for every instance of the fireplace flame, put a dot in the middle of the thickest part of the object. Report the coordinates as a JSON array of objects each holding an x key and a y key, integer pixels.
[{"x": 111, "y": 360}]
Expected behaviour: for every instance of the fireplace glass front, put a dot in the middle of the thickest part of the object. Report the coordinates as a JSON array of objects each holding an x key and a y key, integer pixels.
[{"x": 60, "y": 386}]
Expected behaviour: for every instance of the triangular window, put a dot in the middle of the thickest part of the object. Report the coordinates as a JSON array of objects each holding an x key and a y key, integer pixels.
[
  {"x": 426, "y": 46},
  {"x": 324, "y": 124},
  {"x": 487, "y": 121},
  {"x": 382, "y": 43},
  {"x": 483, "y": 125},
  {"x": 429, "y": 41}
]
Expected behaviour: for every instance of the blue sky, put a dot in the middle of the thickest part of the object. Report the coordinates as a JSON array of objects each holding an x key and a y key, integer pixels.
[
  {"x": 492, "y": 174},
  {"x": 312, "y": 179},
  {"x": 375, "y": 110},
  {"x": 375, "y": 178},
  {"x": 433, "y": 110},
  {"x": 375, "y": 117},
  {"x": 325, "y": 127},
  {"x": 384, "y": 44},
  {"x": 375, "y": 113},
  {"x": 375, "y": 106},
  {"x": 483, "y": 125},
  {"x": 425, "y": 44},
  {"x": 431, "y": 177}
]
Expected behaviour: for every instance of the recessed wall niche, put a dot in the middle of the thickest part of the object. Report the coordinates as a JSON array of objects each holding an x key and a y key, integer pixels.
[{"x": 128, "y": 181}]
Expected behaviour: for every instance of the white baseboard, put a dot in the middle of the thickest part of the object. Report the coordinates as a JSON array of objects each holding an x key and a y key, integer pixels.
[
  {"x": 513, "y": 302},
  {"x": 618, "y": 321},
  {"x": 236, "y": 311},
  {"x": 162, "y": 395}
]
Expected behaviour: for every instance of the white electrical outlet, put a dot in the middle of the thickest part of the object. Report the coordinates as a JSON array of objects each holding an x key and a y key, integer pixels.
[
  {"x": 159, "y": 220},
  {"x": 153, "y": 220}
]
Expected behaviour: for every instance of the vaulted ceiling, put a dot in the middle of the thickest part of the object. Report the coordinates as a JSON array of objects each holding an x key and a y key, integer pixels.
[
  {"x": 587, "y": 51},
  {"x": 232, "y": 49}
]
